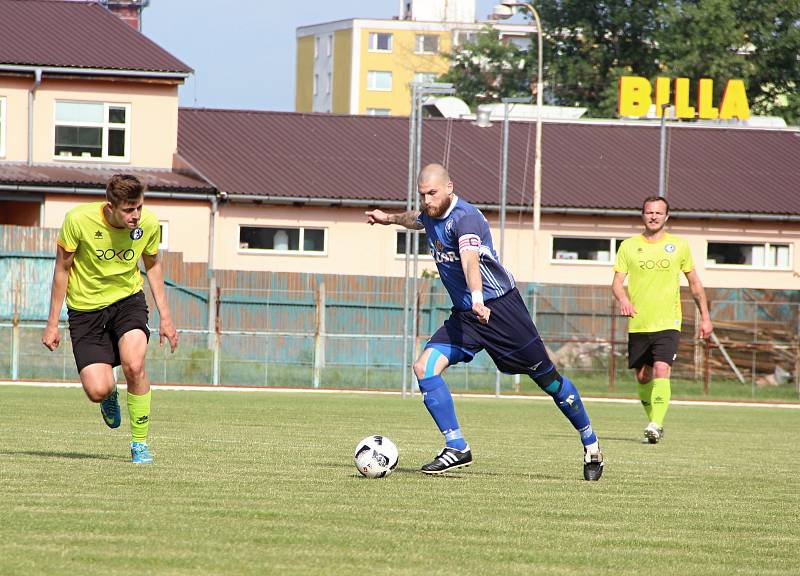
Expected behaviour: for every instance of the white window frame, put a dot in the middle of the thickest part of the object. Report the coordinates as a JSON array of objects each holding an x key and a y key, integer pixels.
[
  {"x": 379, "y": 111},
  {"x": 765, "y": 245},
  {"x": 105, "y": 125},
  {"x": 373, "y": 42},
  {"x": 419, "y": 44},
  {"x": 371, "y": 80},
  {"x": 163, "y": 243},
  {"x": 612, "y": 243},
  {"x": 2, "y": 126},
  {"x": 298, "y": 252},
  {"x": 424, "y": 249},
  {"x": 421, "y": 76}
]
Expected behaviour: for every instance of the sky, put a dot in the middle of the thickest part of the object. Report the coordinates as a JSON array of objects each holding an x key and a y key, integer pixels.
[{"x": 243, "y": 51}]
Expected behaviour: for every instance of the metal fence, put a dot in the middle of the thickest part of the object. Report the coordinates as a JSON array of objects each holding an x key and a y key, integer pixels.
[{"x": 344, "y": 339}]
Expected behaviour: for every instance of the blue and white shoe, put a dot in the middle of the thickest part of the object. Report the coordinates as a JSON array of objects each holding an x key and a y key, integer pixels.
[
  {"x": 109, "y": 408},
  {"x": 140, "y": 453}
]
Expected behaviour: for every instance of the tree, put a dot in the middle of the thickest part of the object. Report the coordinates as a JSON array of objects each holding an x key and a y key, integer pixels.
[
  {"x": 589, "y": 45},
  {"x": 488, "y": 69}
]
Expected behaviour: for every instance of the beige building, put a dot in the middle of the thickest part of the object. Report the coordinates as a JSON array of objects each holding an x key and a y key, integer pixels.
[{"x": 271, "y": 191}]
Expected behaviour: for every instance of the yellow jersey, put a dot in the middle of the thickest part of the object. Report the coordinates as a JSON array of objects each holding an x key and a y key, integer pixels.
[
  {"x": 654, "y": 280},
  {"x": 105, "y": 266}
]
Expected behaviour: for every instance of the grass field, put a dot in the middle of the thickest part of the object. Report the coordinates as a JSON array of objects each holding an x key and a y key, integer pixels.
[{"x": 263, "y": 483}]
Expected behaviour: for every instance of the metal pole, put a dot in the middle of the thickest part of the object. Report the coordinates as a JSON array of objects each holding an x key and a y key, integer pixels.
[
  {"x": 412, "y": 133},
  {"x": 415, "y": 233},
  {"x": 537, "y": 167},
  {"x": 504, "y": 181},
  {"x": 662, "y": 151}
]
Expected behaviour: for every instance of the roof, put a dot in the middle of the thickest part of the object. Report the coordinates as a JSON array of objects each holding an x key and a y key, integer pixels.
[
  {"x": 77, "y": 35},
  {"x": 49, "y": 176},
  {"x": 295, "y": 156}
]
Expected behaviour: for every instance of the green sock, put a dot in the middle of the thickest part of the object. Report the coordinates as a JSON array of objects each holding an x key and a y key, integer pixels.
[
  {"x": 660, "y": 400},
  {"x": 645, "y": 392},
  {"x": 139, "y": 411}
]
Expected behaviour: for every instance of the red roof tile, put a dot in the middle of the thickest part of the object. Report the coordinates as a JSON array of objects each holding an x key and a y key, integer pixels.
[
  {"x": 89, "y": 177},
  {"x": 76, "y": 35},
  {"x": 584, "y": 165}
]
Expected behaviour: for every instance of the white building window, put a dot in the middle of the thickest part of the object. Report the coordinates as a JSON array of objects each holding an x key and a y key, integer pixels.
[
  {"x": 316, "y": 47},
  {"x": 378, "y": 80},
  {"x": 584, "y": 250},
  {"x": 315, "y": 87},
  {"x": 2, "y": 126},
  {"x": 330, "y": 45},
  {"x": 379, "y": 111},
  {"x": 380, "y": 42},
  {"x": 400, "y": 245},
  {"x": 92, "y": 130},
  {"x": 425, "y": 76},
  {"x": 748, "y": 255},
  {"x": 328, "y": 84},
  {"x": 163, "y": 238},
  {"x": 462, "y": 36},
  {"x": 282, "y": 239},
  {"x": 426, "y": 44}
]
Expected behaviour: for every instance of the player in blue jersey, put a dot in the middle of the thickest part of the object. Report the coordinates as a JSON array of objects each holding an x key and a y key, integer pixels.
[{"x": 488, "y": 314}]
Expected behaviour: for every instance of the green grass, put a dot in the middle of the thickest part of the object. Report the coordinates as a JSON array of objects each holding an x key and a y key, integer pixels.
[{"x": 263, "y": 483}]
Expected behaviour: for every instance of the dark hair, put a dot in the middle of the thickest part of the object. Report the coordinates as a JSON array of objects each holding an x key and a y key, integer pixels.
[
  {"x": 655, "y": 199},
  {"x": 124, "y": 188}
]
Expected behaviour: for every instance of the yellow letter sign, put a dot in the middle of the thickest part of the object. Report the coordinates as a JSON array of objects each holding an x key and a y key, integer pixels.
[{"x": 635, "y": 98}]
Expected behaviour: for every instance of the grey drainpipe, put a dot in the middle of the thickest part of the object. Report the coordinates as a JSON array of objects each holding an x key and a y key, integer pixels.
[{"x": 37, "y": 80}]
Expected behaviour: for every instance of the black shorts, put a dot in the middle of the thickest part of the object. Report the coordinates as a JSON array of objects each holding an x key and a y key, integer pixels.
[
  {"x": 645, "y": 348},
  {"x": 95, "y": 334},
  {"x": 510, "y": 337}
]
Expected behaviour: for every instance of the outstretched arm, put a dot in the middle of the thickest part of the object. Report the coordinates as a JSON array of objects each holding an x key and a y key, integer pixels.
[
  {"x": 618, "y": 289},
  {"x": 699, "y": 295},
  {"x": 50, "y": 337},
  {"x": 405, "y": 219},
  {"x": 155, "y": 277}
]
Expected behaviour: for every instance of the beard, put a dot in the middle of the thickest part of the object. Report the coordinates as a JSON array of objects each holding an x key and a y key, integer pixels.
[{"x": 438, "y": 211}]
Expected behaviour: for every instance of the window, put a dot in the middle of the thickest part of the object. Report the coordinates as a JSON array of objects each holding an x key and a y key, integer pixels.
[
  {"x": 328, "y": 84},
  {"x": 400, "y": 248},
  {"x": 379, "y": 81},
  {"x": 378, "y": 111},
  {"x": 163, "y": 235},
  {"x": 380, "y": 42},
  {"x": 427, "y": 44},
  {"x": 2, "y": 126},
  {"x": 425, "y": 76},
  {"x": 88, "y": 130},
  {"x": 282, "y": 239},
  {"x": 316, "y": 47},
  {"x": 583, "y": 250},
  {"x": 329, "y": 45},
  {"x": 463, "y": 36},
  {"x": 316, "y": 84},
  {"x": 767, "y": 255}
]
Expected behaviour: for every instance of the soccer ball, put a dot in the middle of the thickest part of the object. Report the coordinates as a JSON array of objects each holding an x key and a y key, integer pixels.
[{"x": 376, "y": 456}]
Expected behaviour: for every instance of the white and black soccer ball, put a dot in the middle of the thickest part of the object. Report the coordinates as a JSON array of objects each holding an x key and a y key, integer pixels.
[{"x": 376, "y": 456}]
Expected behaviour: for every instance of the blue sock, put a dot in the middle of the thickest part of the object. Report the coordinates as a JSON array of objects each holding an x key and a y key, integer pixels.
[
  {"x": 568, "y": 400},
  {"x": 439, "y": 403}
]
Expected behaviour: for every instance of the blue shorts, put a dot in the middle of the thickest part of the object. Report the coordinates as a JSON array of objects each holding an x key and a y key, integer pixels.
[{"x": 510, "y": 337}]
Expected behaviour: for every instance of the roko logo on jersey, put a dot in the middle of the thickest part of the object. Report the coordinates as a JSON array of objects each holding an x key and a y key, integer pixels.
[
  {"x": 109, "y": 254},
  {"x": 662, "y": 264}
]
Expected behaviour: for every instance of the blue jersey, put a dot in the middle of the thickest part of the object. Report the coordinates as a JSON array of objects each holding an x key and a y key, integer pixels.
[{"x": 464, "y": 228}]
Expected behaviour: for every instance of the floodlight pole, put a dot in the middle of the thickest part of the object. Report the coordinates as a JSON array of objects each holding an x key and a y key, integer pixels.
[
  {"x": 662, "y": 152},
  {"x": 418, "y": 91},
  {"x": 504, "y": 178}
]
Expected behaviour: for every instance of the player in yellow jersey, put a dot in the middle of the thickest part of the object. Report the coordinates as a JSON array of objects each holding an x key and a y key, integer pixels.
[
  {"x": 653, "y": 262},
  {"x": 96, "y": 269}
]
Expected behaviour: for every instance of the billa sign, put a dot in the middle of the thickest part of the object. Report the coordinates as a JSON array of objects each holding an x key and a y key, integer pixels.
[{"x": 636, "y": 96}]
